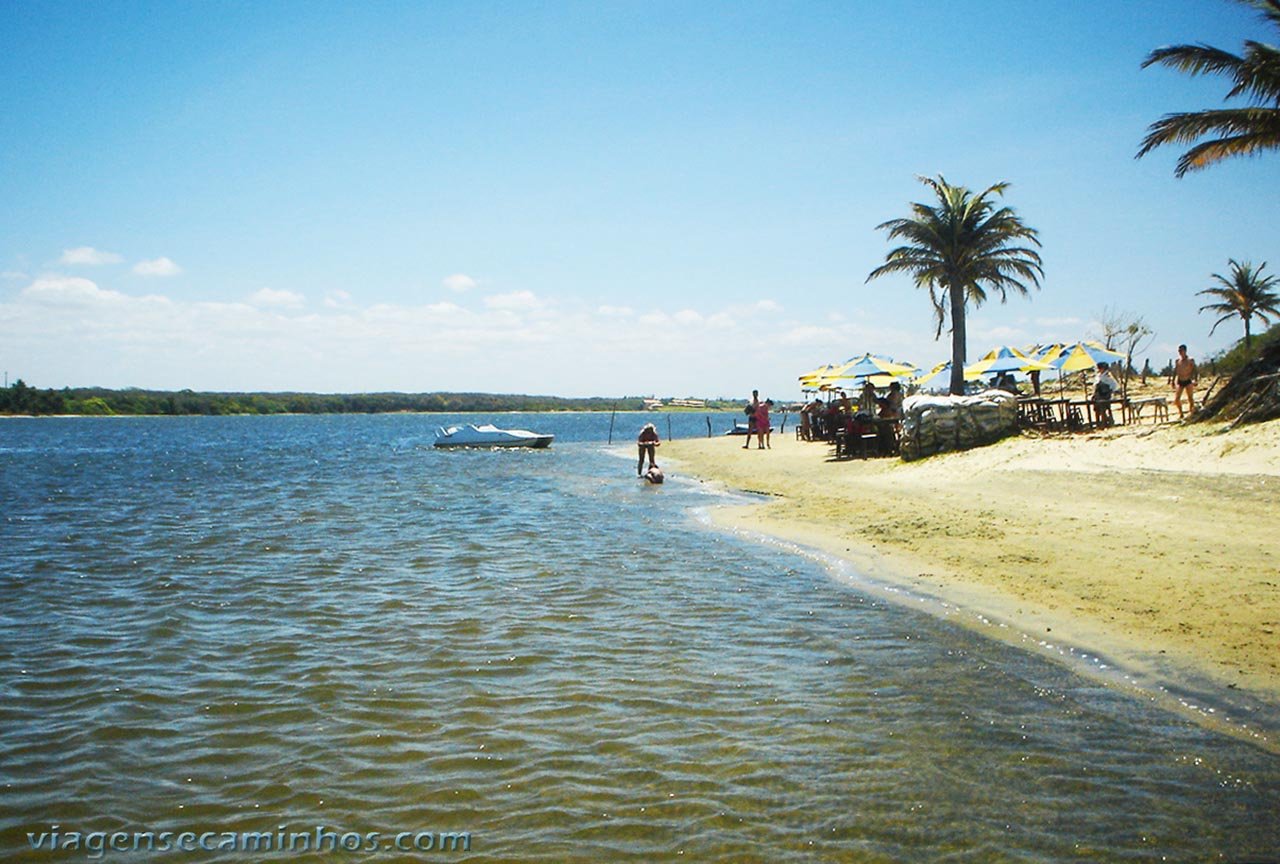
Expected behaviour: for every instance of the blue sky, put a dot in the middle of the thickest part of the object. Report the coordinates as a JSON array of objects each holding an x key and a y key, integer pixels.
[{"x": 582, "y": 198}]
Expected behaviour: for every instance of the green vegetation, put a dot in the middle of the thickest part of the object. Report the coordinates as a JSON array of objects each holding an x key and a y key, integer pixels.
[
  {"x": 23, "y": 399},
  {"x": 1255, "y": 75},
  {"x": 1234, "y": 359},
  {"x": 958, "y": 249}
]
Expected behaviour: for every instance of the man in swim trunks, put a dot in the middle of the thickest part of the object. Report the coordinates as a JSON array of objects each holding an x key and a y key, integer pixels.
[{"x": 1184, "y": 378}]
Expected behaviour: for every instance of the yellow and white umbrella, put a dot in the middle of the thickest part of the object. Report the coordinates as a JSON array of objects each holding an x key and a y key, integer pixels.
[
  {"x": 817, "y": 378},
  {"x": 875, "y": 367},
  {"x": 1081, "y": 355},
  {"x": 1003, "y": 359}
]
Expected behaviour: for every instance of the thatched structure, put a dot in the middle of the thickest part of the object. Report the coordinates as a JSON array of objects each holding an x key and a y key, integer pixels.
[{"x": 1252, "y": 395}]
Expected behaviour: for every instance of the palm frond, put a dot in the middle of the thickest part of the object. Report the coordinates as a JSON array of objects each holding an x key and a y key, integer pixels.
[
  {"x": 1241, "y": 131},
  {"x": 1255, "y": 76},
  {"x": 1198, "y": 59}
]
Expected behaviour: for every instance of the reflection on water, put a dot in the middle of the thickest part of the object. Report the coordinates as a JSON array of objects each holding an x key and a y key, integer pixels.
[{"x": 236, "y": 624}]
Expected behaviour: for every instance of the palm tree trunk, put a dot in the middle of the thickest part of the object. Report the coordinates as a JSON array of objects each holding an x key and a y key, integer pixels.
[
  {"x": 1248, "y": 346},
  {"x": 958, "y": 339}
]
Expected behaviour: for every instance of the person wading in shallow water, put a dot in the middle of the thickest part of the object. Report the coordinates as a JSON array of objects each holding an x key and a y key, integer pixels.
[
  {"x": 647, "y": 442},
  {"x": 1184, "y": 378}
]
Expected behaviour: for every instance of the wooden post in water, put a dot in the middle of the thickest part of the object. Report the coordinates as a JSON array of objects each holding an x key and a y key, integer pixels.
[
  {"x": 668, "y": 427},
  {"x": 611, "y": 413},
  {"x": 708, "y": 425}
]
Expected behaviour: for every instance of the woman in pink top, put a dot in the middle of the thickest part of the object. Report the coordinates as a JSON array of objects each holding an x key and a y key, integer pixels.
[{"x": 762, "y": 425}]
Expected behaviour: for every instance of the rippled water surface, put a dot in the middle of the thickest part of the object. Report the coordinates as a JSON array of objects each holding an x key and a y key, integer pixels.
[{"x": 235, "y": 624}]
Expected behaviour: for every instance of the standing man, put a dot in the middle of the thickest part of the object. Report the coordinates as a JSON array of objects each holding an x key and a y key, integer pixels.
[
  {"x": 750, "y": 409},
  {"x": 1184, "y": 378}
]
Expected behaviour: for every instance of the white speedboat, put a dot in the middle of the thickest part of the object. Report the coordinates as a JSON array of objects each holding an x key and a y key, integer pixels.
[{"x": 489, "y": 435}]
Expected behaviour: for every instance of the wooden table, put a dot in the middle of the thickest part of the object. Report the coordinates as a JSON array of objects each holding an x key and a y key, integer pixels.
[
  {"x": 878, "y": 438},
  {"x": 1091, "y": 411}
]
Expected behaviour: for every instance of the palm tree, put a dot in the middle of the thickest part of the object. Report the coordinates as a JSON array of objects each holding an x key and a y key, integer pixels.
[
  {"x": 1245, "y": 294},
  {"x": 959, "y": 249},
  {"x": 1235, "y": 131}
]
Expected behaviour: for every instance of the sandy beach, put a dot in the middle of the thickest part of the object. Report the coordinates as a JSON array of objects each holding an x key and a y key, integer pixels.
[{"x": 1154, "y": 546}]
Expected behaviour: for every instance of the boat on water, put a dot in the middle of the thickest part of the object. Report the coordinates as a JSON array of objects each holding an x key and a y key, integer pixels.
[{"x": 489, "y": 435}]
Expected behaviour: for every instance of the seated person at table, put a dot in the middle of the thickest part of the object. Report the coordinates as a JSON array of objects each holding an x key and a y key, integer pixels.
[
  {"x": 867, "y": 398},
  {"x": 894, "y": 399},
  {"x": 1103, "y": 392},
  {"x": 887, "y": 433},
  {"x": 833, "y": 419}
]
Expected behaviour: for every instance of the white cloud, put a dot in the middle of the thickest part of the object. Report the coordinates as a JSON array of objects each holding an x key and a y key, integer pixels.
[
  {"x": 459, "y": 283},
  {"x": 275, "y": 298},
  {"x": 157, "y": 267},
  {"x": 516, "y": 342},
  {"x": 337, "y": 299},
  {"x": 87, "y": 255},
  {"x": 14, "y": 275},
  {"x": 72, "y": 290},
  {"x": 980, "y": 334},
  {"x": 513, "y": 301}
]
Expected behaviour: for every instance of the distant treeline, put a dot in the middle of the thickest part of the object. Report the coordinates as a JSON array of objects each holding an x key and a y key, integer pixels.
[{"x": 19, "y": 398}]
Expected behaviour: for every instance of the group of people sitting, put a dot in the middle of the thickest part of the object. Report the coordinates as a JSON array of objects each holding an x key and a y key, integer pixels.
[{"x": 821, "y": 422}]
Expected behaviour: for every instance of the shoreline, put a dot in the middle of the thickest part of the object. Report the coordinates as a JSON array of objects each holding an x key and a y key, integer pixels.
[{"x": 1140, "y": 554}]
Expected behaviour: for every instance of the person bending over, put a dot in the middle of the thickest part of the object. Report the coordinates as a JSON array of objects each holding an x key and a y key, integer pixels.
[{"x": 647, "y": 442}]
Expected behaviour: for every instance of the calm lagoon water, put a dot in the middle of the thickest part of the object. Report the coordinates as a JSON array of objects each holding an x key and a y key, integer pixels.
[{"x": 236, "y": 624}]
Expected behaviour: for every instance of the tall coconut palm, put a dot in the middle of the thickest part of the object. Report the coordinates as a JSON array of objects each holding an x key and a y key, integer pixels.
[
  {"x": 1242, "y": 131},
  {"x": 1244, "y": 294},
  {"x": 959, "y": 249}
]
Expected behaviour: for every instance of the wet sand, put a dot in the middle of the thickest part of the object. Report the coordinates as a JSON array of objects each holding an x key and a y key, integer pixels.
[{"x": 1155, "y": 546}]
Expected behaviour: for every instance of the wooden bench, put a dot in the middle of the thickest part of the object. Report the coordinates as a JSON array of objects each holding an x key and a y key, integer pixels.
[{"x": 1159, "y": 409}]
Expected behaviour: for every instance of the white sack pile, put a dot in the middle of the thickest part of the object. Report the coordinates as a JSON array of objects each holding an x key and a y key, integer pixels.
[{"x": 936, "y": 424}]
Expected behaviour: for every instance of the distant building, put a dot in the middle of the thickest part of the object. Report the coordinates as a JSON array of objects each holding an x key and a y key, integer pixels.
[
  {"x": 652, "y": 404},
  {"x": 689, "y": 403}
]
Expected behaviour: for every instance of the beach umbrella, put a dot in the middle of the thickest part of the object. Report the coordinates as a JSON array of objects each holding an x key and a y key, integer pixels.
[
  {"x": 1003, "y": 359},
  {"x": 874, "y": 366},
  {"x": 813, "y": 380},
  {"x": 937, "y": 378},
  {"x": 1079, "y": 357},
  {"x": 1082, "y": 355}
]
